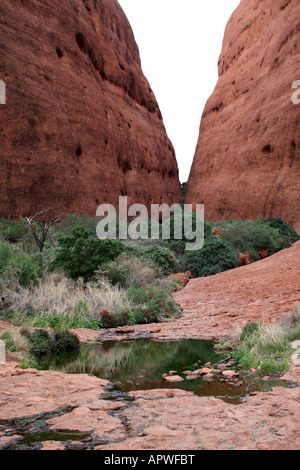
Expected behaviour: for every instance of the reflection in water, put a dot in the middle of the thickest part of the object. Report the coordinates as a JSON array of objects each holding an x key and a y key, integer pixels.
[{"x": 139, "y": 365}]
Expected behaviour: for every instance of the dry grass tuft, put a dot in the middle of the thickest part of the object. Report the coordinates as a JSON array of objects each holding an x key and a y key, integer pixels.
[{"x": 56, "y": 293}]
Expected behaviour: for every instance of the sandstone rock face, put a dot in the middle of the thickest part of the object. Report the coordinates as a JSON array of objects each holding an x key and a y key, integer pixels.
[
  {"x": 81, "y": 125},
  {"x": 247, "y": 161}
]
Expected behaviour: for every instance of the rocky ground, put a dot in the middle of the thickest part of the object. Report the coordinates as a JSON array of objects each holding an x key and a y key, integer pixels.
[{"x": 56, "y": 403}]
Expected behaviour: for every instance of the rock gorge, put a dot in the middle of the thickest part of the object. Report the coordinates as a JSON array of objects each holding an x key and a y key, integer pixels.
[
  {"x": 81, "y": 125},
  {"x": 247, "y": 161}
]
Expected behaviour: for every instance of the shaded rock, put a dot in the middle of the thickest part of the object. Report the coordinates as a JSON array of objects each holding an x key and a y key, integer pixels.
[
  {"x": 242, "y": 259},
  {"x": 81, "y": 126},
  {"x": 263, "y": 253},
  {"x": 244, "y": 146}
]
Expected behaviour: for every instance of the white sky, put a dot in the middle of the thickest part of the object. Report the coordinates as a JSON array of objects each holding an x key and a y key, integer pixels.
[{"x": 180, "y": 43}]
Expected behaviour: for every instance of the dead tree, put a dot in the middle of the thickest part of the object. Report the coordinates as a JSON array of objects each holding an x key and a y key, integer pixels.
[{"x": 40, "y": 224}]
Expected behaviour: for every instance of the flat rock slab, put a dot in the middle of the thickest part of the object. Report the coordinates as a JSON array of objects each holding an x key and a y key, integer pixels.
[
  {"x": 173, "y": 378},
  {"x": 28, "y": 392},
  {"x": 161, "y": 419}
]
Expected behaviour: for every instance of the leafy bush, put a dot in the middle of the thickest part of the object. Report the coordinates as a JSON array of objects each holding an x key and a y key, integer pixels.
[
  {"x": 288, "y": 234},
  {"x": 80, "y": 253},
  {"x": 150, "y": 305},
  {"x": 164, "y": 258},
  {"x": 154, "y": 299},
  {"x": 5, "y": 255},
  {"x": 43, "y": 342},
  {"x": 216, "y": 256},
  {"x": 251, "y": 236},
  {"x": 17, "y": 267},
  {"x": 65, "y": 341},
  {"x": 13, "y": 231},
  {"x": 178, "y": 246},
  {"x": 115, "y": 272}
]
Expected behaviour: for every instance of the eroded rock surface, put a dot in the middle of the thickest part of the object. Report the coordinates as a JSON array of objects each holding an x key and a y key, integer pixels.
[
  {"x": 247, "y": 159},
  {"x": 81, "y": 126},
  {"x": 156, "y": 419}
]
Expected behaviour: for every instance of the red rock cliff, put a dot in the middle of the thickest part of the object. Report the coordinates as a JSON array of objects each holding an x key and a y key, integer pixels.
[
  {"x": 247, "y": 159},
  {"x": 81, "y": 125}
]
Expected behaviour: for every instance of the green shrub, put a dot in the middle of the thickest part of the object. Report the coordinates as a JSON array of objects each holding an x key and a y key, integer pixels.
[
  {"x": 9, "y": 341},
  {"x": 265, "y": 347},
  {"x": 43, "y": 342},
  {"x": 179, "y": 246},
  {"x": 80, "y": 253},
  {"x": 18, "y": 268},
  {"x": 65, "y": 341},
  {"x": 138, "y": 316},
  {"x": 81, "y": 308},
  {"x": 61, "y": 322},
  {"x": 150, "y": 305},
  {"x": 216, "y": 256},
  {"x": 173, "y": 223},
  {"x": 288, "y": 234},
  {"x": 164, "y": 258},
  {"x": 6, "y": 255},
  {"x": 249, "y": 330},
  {"x": 154, "y": 299},
  {"x": 13, "y": 231},
  {"x": 115, "y": 272},
  {"x": 251, "y": 236}
]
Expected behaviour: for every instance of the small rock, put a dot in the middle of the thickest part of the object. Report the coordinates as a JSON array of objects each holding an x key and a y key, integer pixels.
[
  {"x": 230, "y": 373},
  {"x": 208, "y": 377},
  {"x": 173, "y": 378},
  {"x": 205, "y": 370},
  {"x": 173, "y": 372},
  {"x": 125, "y": 330},
  {"x": 155, "y": 330}
]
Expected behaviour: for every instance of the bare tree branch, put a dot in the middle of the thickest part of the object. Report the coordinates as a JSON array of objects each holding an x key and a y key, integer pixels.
[{"x": 40, "y": 228}]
